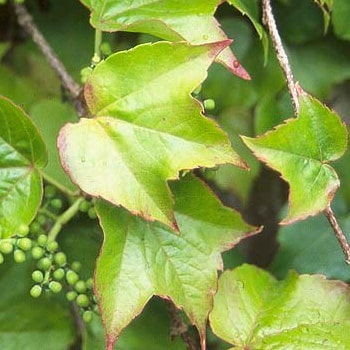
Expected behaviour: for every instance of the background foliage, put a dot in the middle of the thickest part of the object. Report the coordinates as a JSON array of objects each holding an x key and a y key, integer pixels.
[{"x": 319, "y": 51}]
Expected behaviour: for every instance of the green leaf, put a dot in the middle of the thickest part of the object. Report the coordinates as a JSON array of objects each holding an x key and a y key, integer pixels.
[
  {"x": 300, "y": 150},
  {"x": 251, "y": 10},
  {"x": 146, "y": 128},
  {"x": 340, "y": 18},
  {"x": 28, "y": 323},
  {"x": 173, "y": 20},
  {"x": 22, "y": 152},
  {"x": 252, "y": 310},
  {"x": 140, "y": 259}
]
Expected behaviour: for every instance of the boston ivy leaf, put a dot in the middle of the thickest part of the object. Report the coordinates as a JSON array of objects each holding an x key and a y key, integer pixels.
[
  {"x": 300, "y": 150},
  {"x": 173, "y": 20},
  {"x": 22, "y": 151},
  {"x": 146, "y": 128},
  {"x": 140, "y": 259},
  {"x": 251, "y": 9},
  {"x": 252, "y": 310}
]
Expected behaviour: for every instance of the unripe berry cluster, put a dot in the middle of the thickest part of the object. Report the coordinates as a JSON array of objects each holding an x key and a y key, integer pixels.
[{"x": 53, "y": 271}]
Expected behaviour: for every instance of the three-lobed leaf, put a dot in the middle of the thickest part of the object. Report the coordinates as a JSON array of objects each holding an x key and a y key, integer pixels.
[
  {"x": 22, "y": 153},
  {"x": 173, "y": 20},
  {"x": 252, "y": 310},
  {"x": 141, "y": 259},
  {"x": 146, "y": 128},
  {"x": 300, "y": 150}
]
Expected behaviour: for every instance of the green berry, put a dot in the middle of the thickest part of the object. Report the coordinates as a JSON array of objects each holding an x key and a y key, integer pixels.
[
  {"x": 37, "y": 252},
  {"x": 59, "y": 274},
  {"x": 198, "y": 89},
  {"x": 24, "y": 243},
  {"x": 209, "y": 104},
  {"x": 41, "y": 219},
  {"x": 42, "y": 240},
  {"x": 71, "y": 295},
  {"x": 89, "y": 282},
  {"x": 60, "y": 259},
  {"x": 6, "y": 247},
  {"x": 23, "y": 230},
  {"x": 82, "y": 300},
  {"x": 80, "y": 286},
  {"x": 1, "y": 258},
  {"x": 87, "y": 316},
  {"x": 50, "y": 191},
  {"x": 35, "y": 291},
  {"x": 55, "y": 286},
  {"x": 19, "y": 256},
  {"x": 44, "y": 263},
  {"x": 105, "y": 48},
  {"x": 56, "y": 203},
  {"x": 52, "y": 246},
  {"x": 37, "y": 276},
  {"x": 84, "y": 74},
  {"x": 72, "y": 277},
  {"x": 35, "y": 227},
  {"x": 92, "y": 213},
  {"x": 76, "y": 266},
  {"x": 84, "y": 206}
]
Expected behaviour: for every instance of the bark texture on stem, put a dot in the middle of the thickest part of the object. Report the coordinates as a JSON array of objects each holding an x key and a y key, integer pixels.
[
  {"x": 26, "y": 21},
  {"x": 269, "y": 21},
  {"x": 338, "y": 233}
]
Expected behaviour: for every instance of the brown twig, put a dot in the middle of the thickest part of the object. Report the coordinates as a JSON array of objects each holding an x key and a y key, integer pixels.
[
  {"x": 269, "y": 21},
  {"x": 338, "y": 233},
  {"x": 180, "y": 328},
  {"x": 25, "y": 20}
]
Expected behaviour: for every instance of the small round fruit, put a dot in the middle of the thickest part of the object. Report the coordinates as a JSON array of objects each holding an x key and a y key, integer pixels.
[
  {"x": 84, "y": 206},
  {"x": 52, "y": 246},
  {"x": 35, "y": 227},
  {"x": 92, "y": 213},
  {"x": 44, "y": 263},
  {"x": 35, "y": 291},
  {"x": 72, "y": 277},
  {"x": 37, "y": 252},
  {"x": 76, "y": 266},
  {"x": 24, "y": 243},
  {"x": 6, "y": 247},
  {"x": 80, "y": 286},
  {"x": 71, "y": 295},
  {"x": 23, "y": 230},
  {"x": 50, "y": 191},
  {"x": 82, "y": 300},
  {"x": 55, "y": 286},
  {"x": 89, "y": 282},
  {"x": 56, "y": 203},
  {"x": 19, "y": 256},
  {"x": 37, "y": 276},
  {"x": 58, "y": 274},
  {"x": 209, "y": 104},
  {"x": 87, "y": 316},
  {"x": 42, "y": 240}
]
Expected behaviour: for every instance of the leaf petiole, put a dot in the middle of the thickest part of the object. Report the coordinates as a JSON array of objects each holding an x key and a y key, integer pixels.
[{"x": 64, "y": 218}]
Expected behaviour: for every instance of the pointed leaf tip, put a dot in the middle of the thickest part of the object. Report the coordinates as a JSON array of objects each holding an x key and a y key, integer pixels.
[
  {"x": 146, "y": 128},
  {"x": 139, "y": 259},
  {"x": 299, "y": 150}
]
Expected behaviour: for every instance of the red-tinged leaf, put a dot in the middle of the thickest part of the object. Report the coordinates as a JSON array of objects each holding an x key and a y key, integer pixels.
[
  {"x": 173, "y": 20},
  {"x": 146, "y": 128},
  {"x": 300, "y": 150},
  {"x": 141, "y": 259}
]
